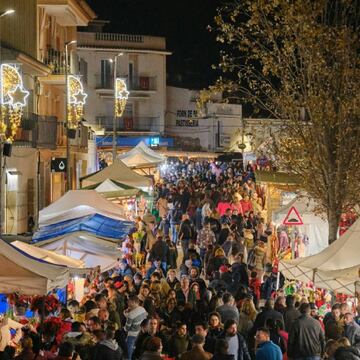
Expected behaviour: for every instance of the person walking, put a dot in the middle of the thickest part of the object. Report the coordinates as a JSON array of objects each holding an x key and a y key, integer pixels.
[
  {"x": 197, "y": 351},
  {"x": 266, "y": 349},
  {"x": 306, "y": 338}
]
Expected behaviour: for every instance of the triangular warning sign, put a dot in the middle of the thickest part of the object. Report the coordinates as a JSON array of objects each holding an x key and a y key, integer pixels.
[{"x": 293, "y": 217}]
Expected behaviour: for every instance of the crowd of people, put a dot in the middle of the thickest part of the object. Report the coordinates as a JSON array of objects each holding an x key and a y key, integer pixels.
[{"x": 196, "y": 282}]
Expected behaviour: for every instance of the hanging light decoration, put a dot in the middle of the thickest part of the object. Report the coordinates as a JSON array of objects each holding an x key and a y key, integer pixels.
[
  {"x": 76, "y": 101},
  {"x": 121, "y": 96},
  {"x": 13, "y": 99}
]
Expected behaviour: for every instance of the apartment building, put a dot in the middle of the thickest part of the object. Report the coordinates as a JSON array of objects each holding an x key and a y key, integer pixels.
[
  {"x": 34, "y": 39},
  {"x": 141, "y": 62}
]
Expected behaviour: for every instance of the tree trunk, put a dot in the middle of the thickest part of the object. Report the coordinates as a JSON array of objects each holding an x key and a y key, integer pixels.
[{"x": 333, "y": 220}]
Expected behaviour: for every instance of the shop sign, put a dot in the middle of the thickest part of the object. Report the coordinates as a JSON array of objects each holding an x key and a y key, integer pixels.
[
  {"x": 58, "y": 164},
  {"x": 186, "y": 118}
]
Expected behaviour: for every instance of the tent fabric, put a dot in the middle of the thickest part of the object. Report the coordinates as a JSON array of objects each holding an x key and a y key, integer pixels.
[
  {"x": 76, "y": 267},
  {"x": 108, "y": 185},
  {"x": 116, "y": 183},
  {"x": 141, "y": 156},
  {"x": 78, "y": 203},
  {"x": 20, "y": 272},
  {"x": 118, "y": 172},
  {"x": 339, "y": 261},
  {"x": 314, "y": 226},
  {"x": 127, "y": 193},
  {"x": 90, "y": 249},
  {"x": 96, "y": 224}
]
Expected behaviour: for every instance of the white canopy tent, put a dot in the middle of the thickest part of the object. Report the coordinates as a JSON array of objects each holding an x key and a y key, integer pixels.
[
  {"x": 27, "y": 275},
  {"x": 76, "y": 267},
  {"x": 107, "y": 186},
  {"x": 335, "y": 268},
  {"x": 141, "y": 156},
  {"x": 315, "y": 227},
  {"x": 78, "y": 203},
  {"x": 119, "y": 172},
  {"x": 92, "y": 250}
]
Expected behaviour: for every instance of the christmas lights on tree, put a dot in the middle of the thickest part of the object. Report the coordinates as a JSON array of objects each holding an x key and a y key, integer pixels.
[
  {"x": 76, "y": 101},
  {"x": 121, "y": 96},
  {"x": 13, "y": 98}
]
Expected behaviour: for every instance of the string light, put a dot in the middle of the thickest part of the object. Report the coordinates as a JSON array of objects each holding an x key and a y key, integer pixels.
[
  {"x": 121, "y": 96},
  {"x": 76, "y": 100},
  {"x": 13, "y": 98}
]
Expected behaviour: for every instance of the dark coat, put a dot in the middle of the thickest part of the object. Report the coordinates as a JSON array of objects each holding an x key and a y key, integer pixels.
[
  {"x": 352, "y": 332},
  {"x": 103, "y": 352},
  {"x": 290, "y": 315},
  {"x": 306, "y": 338},
  {"x": 196, "y": 353},
  {"x": 239, "y": 274},
  {"x": 347, "y": 353},
  {"x": 159, "y": 251},
  {"x": 243, "y": 352},
  {"x": 218, "y": 356},
  {"x": 267, "y": 314}
]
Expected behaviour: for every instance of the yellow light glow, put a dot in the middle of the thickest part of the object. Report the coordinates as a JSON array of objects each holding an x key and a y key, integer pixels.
[
  {"x": 13, "y": 98},
  {"x": 121, "y": 96},
  {"x": 76, "y": 100}
]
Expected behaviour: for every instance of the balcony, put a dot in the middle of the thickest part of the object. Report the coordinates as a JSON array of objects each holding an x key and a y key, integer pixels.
[
  {"x": 55, "y": 60},
  {"x": 124, "y": 41},
  {"x": 136, "y": 85},
  {"x": 37, "y": 131},
  {"x": 130, "y": 123},
  {"x": 78, "y": 137}
]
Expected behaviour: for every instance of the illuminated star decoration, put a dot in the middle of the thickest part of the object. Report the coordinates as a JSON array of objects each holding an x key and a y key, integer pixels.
[
  {"x": 80, "y": 97},
  {"x": 13, "y": 98},
  {"x": 121, "y": 90},
  {"x": 121, "y": 96},
  {"x": 76, "y": 100},
  {"x": 18, "y": 96},
  {"x": 13, "y": 93},
  {"x": 77, "y": 96}
]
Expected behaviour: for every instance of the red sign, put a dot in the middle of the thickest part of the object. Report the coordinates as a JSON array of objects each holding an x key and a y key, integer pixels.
[{"x": 293, "y": 217}]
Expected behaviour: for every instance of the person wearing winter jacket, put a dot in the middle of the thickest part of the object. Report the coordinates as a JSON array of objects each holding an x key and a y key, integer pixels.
[
  {"x": 352, "y": 330},
  {"x": 106, "y": 348},
  {"x": 186, "y": 232},
  {"x": 345, "y": 351},
  {"x": 306, "y": 338}
]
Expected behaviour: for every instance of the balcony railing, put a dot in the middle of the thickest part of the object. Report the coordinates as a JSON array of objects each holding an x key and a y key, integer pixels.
[
  {"x": 78, "y": 137},
  {"x": 130, "y": 123},
  {"x": 55, "y": 60},
  {"x": 136, "y": 83},
  {"x": 37, "y": 131}
]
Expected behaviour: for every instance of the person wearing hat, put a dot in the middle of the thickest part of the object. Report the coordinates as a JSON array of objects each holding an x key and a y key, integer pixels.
[{"x": 197, "y": 351}]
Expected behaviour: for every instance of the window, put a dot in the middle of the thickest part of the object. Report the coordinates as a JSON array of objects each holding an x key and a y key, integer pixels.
[{"x": 106, "y": 74}]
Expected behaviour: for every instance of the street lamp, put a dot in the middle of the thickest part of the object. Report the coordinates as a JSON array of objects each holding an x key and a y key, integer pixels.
[
  {"x": 7, "y": 12},
  {"x": 114, "y": 147},
  {"x": 67, "y": 123}
]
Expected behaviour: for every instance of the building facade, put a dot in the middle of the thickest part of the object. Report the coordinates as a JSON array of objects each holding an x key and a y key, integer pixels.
[
  {"x": 141, "y": 63},
  {"x": 34, "y": 38},
  {"x": 208, "y": 130}
]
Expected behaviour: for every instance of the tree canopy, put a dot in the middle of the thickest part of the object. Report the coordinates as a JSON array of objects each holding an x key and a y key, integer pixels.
[{"x": 299, "y": 60}]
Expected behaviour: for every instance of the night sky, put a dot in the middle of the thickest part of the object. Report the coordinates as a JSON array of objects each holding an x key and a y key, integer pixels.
[{"x": 182, "y": 22}]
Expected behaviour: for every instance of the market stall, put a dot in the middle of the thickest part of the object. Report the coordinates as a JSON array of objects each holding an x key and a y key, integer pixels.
[
  {"x": 90, "y": 249},
  {"x": 79, "y": 203},
  {"x": 142, "y": 159},
  {"x": 76, "y": 267},
  {"x": 20, "y": 272},
  {"x": 98, "y": 225},
  {"x": 335, "y": 268},
  {"x": 314, "y": 230},
  {"x": 118, "y": 172}
]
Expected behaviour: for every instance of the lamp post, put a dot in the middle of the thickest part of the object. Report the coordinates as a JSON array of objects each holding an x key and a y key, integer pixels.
[
  {"x": 2, "y": 14},
  {"x": 67, "y": 123},
  {"x": 114, "y": 144}
]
